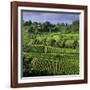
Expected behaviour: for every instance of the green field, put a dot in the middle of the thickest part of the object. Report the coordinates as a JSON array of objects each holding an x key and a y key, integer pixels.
[{"x": 50, "y": 50}]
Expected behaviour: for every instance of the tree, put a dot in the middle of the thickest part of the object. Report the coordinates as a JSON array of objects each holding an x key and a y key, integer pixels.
[
  {"x": 75, "y": 26},
  {"x": 45, "y": 45},
  {"x": 28, "y": 23},
  {"x": 47, "y": 26},
  {"x": 34, "y": 27},
  {"x": 75, "y": 44}
]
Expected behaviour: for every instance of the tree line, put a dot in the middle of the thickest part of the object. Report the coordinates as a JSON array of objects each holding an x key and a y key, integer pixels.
[{"x": 37, "y": 28}]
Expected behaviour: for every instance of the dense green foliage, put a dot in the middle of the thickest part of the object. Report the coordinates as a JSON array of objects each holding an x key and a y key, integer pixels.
[{"x": 50, "y": 49}]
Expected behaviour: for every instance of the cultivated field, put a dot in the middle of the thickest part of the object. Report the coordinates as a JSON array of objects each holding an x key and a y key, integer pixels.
[{"x": 50, "y": 49}]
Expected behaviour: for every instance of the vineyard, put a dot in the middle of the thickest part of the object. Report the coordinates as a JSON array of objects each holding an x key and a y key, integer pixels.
[{"x": 50, "y": 49}]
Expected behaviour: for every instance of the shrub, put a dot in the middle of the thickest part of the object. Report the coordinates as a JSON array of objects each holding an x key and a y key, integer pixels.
[
  {"x": 36, "y": 48},
  {"x": 69, "y": 43}
]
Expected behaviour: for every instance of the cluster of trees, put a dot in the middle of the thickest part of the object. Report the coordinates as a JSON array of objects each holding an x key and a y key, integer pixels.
[
  {"x": 36, "y": 27},
  {"x": 47, "y": 34}
]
